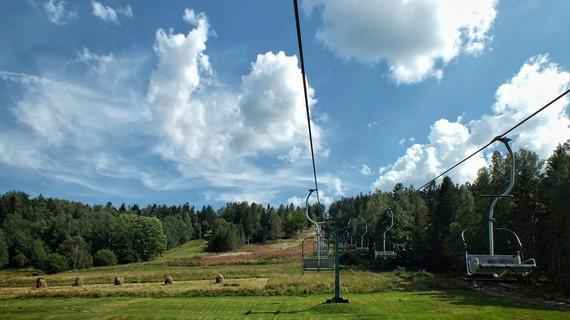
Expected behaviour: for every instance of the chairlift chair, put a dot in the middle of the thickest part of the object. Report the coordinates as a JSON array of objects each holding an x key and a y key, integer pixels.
[
  {"x": 363, "y": 248},
  {"x": 320, "y": 260},
  {"x": 349, "y": 244},
  {"x": 498, "y": 266},
  {"x": 386, "y": 254}
]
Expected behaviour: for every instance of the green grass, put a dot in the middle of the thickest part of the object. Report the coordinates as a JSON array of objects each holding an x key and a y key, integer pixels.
[
  {"x": 276, "y": 277},
  {"x": 266, "y": 289},
  {"x": 440, "y": 304}
]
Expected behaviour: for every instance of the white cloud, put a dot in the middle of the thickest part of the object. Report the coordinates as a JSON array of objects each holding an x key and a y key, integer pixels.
[
  {"x": 332, "y": 185},
  {"x": 415, "y": 38},
  {"x": 297, "y": 201},
  {"x": 191, "y": 128},
  {"x": 98, "y": 64},
  {"x": 404, "y": 140},
  {"x": 301, "y": 201},
  {"x": 272, "y": 110},
  {"x": 57, "y": 12},
  {"x": 214, "y": 133},
  {"x": 207, "y": 134},
  {"x": 257, "y": 196},
  {"x": 203, "y": 122},
  {"x": 537, "y": 82},
  {"x": 57, "y": 112},
  {"x": 109, "y": 14},
  {"x": 365, "y": 171},
  {"x": 191, "y": 17},
  {"x": 71, "y": 132}
]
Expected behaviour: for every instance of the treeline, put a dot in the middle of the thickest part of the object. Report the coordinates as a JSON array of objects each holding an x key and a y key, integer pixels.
[
  {"x": 243, "y": 223},
  {"x": 428, "y": 224},
  {"x": 57, "y": 235}
]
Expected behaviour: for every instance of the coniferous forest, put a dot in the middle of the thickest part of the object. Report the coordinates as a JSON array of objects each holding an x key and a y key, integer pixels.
[{"x": 57, "y": 235}]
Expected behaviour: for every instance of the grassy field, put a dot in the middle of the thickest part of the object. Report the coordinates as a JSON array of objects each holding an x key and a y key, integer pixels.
[
  {"x": 261, "y": 282},
  {"x": 271, "y": 269},
  {"x": 439, "y": 304}
]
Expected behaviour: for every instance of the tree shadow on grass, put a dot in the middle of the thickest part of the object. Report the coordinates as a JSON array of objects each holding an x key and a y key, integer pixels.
[{"x": 466, "y": 297}]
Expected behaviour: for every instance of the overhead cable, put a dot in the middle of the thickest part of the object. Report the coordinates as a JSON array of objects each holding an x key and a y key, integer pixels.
[{"x": 300, "y": 43}]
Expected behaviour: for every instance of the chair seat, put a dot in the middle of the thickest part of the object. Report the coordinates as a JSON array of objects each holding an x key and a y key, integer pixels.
[
  {"x": 384, "y": 254},
  {"x": 506, "y": 265},
  {"x": 499, "y": 265},
  {"x": 315, "y": 264}
]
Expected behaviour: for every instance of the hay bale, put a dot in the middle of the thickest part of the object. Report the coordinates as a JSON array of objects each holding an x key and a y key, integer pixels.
[
  {"x": 219, "y": 278},
  {"x": 78, "y": 282},
  {"x": 41, "y": 283},
  {"x": 119, "y": 281},
  {"x": 168, "y": 280}
]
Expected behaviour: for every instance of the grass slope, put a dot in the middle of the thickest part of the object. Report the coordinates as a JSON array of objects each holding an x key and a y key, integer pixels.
[
  {"x": 261, "y": 282},
  {"x": 439, "y": 304}
]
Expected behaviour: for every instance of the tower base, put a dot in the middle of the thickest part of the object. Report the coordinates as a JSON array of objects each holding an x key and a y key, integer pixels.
[{"x": 337, "y": 300}]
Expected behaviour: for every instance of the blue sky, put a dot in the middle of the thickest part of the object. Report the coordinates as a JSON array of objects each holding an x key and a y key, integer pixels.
[{"x": 201, "y": 102}]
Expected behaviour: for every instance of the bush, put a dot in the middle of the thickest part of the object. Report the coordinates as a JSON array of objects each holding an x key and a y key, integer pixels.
[
  {"x": 104, "y": 257},
  {"x": 3, "y": 250},
  {"x": 19, "y": 260},
  {"x": 55, "y": 263}
]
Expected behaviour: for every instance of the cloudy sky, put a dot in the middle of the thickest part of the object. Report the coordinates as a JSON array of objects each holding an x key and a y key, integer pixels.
[{"x": 201, "y": 101}]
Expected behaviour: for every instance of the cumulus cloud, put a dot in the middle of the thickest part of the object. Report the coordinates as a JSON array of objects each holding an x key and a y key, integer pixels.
[
  {"x": 187, "y": 126},
  {"x": 334, "y": 184},
  {"x": 272, "y": 110},
  {"x": 109, "y": 14},
  {"x": 203, "y": 122},
  {"x": 299, "y": 201},
  {"x": 415, "y": 38},
  {"x": 57, "y": 11},
  {"x": 537, "y": 82}
]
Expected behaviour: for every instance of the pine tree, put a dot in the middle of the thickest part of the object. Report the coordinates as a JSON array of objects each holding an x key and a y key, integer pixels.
[{"x": 555, "y": 223}]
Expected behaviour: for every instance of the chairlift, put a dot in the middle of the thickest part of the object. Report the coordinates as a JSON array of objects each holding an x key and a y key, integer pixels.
[
  {"x": 386, "y": 254},
  {"x": 498, "y": 266},
  {"x": 320, "y": 259}
]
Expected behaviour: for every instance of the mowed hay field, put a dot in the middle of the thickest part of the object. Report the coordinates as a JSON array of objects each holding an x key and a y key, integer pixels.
[{"x": 260, "y": 282}]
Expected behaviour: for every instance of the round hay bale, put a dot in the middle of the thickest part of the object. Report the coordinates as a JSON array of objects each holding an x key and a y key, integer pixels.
[
  {"x": 78, "y": 282},
  {"x": 41, "y": 283},
  {"x": 168, "y": 280},
  {"x": 119, "y": 281},
  {"x": 219, "y": 278}
]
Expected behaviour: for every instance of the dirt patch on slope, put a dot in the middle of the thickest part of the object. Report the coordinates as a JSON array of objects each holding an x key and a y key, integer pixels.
[{"x": 255, "y": 253}]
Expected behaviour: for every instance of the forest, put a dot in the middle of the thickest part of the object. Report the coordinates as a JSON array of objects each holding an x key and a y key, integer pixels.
[
  {"x": 428, "y": 224},
  {"x": 57, "y": 235}
]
